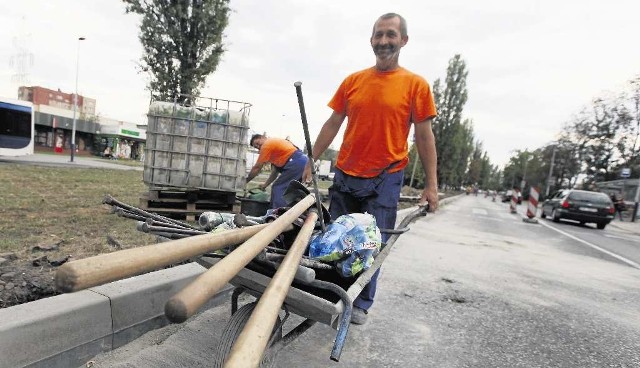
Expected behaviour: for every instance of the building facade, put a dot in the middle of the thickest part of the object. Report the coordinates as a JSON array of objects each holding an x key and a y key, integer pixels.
[{"x": 53, "y": 116}]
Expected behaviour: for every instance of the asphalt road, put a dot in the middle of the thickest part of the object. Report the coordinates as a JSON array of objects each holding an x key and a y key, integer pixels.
[
  {"x": 472, "y": 286},
  {"x": 610, "y": 243}
]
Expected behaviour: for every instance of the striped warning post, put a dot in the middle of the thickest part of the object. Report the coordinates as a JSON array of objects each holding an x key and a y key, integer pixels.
[
  {"x": 514, "y": 201},
  {"x": 532, "y": 208}
]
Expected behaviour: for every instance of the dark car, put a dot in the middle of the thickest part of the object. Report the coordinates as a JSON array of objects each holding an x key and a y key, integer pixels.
[{"x": 579, "y": 205}]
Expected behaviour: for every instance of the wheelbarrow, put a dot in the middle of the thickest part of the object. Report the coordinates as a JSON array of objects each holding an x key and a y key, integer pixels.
[{"x": 313, "y": 299}]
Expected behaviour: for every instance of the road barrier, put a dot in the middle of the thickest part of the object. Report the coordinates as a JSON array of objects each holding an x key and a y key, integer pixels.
[
  {"x": 514, "y": 201},
  {"x": 532, "y": 207}
]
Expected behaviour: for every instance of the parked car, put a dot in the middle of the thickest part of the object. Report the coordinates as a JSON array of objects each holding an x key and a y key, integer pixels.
[{"x": 579, "y": 205}]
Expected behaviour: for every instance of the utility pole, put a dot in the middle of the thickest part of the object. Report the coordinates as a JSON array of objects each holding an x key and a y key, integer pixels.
[
  {"x": 524, "y": 175},
  {"x": 553, "y": 159},
  {"x": 636, "y": 200},
  {"x": 75, "y": 103}
]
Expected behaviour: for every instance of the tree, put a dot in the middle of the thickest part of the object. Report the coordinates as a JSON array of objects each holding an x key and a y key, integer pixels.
[
  {"x": 454, "y": 138},
  {"x": 182, "y": 42},
  {"x": 629, "y": 116}
]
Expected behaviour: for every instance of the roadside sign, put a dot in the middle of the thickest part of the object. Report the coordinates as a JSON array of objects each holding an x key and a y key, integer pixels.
[{"x": 625, "y": 173}]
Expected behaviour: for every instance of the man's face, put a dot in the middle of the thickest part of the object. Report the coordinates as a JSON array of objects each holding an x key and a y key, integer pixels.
[
  {"x": 386, "y": 40},
  {"x": 257, "y": 143}
]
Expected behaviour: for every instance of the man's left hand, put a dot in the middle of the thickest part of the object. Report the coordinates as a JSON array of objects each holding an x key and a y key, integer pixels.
[{"x": 430, "y": 196}]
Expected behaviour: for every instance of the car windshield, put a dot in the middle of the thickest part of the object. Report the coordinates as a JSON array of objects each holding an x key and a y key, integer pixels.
[{"x": 593, "y": 197}]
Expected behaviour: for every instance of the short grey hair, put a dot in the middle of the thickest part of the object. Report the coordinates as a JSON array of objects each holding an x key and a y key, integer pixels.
[{"x": 403, "y": 23}]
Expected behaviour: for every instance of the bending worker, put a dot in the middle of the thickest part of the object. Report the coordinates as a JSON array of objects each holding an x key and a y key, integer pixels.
[
  {"x": 287, "y": 164},
  {"x": 381, "y": 103}
]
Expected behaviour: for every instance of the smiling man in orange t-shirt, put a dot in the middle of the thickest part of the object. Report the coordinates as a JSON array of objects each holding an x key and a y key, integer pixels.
[{"x": 380, "y": 104}]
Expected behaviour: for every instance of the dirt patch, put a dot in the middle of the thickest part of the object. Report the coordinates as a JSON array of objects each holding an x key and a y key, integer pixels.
[
  {"x": 50, "y": 215},
  {"x": 23, "y": 282}
]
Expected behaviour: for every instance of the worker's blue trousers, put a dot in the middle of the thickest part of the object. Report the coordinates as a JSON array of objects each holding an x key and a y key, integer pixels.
[
  {"x": 379, "y": 197},
  {"x": 292, "y": 170}
]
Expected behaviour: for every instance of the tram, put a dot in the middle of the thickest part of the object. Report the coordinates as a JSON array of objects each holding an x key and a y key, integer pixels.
[{"x": 16, "y": 127}]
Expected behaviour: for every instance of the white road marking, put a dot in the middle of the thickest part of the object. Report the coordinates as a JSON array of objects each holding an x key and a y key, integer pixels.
[
  {"x": 616, "y": 256},
  {"x": 479, "y": 211},
  {"x": 619, "y": 237}
]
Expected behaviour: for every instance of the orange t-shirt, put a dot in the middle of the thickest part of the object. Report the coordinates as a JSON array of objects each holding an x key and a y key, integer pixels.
[
  {"x": 380, "y": 107},
  {"x": 276, "y": 151}
]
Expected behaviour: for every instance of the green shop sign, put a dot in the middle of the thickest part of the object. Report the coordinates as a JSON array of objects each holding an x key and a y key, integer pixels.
[{"x": 129, "y": 132}]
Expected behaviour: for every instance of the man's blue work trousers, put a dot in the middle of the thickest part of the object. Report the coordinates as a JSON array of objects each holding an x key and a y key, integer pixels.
[
  {"x": 292, "y": 170},
  {"x": 379, "y": 197}
]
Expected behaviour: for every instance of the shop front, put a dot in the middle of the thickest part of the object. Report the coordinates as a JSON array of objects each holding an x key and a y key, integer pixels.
[{"x": 117, "y": 142}]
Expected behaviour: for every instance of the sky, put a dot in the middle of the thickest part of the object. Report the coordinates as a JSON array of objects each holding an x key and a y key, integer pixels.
[{"x": 531, "y": 65}]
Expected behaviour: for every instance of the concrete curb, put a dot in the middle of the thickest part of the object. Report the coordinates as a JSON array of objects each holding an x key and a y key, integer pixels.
[
  {"x": 67, "y": 330},
  {"x": 443, "y": 202}
]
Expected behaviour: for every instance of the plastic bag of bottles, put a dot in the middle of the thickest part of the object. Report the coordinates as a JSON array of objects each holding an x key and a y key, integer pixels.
[{"x": 351, "y": 240}]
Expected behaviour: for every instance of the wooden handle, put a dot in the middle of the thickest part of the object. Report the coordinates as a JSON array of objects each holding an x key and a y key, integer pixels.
[
  {"x": 184, "y": 304},
  {"x": 250, "y": 345},
  {"x": 92, "y": 271}
]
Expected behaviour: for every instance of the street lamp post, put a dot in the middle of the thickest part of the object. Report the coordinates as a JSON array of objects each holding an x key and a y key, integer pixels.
[
  {"x": 553, "y": 159},
  {"x": 75, "y": 102}
]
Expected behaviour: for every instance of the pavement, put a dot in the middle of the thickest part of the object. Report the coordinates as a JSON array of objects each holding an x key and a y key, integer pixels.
[{"x": 59, "y": 160}]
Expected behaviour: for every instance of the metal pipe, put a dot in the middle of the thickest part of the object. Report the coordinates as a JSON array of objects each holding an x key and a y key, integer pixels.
[
  {"x": 307, "y": 138},
  {"x": 293, "y": 334},
  {"x": 152, "y": 222},
  {"x": 170, "y": 236},
  {"x": 303, "y": 262},
  {"x": 149, "y": 229},
  {"x": 112, "y": 201},
  {"x": 343, "y": 327},
  {"x": 126, "y": 214}
]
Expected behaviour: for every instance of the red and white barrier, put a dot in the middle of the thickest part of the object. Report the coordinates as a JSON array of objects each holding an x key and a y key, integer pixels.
[
  {"x": 532, "y": 208},
  {"x": 514, "y": 201}
]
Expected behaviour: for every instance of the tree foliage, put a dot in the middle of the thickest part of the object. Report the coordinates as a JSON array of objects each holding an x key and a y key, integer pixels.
[
  {"x": 595, "y": 145},
  {"x": 454, "y": 137},
  {"x": 461, "y": 160},
  {"x": 182, "y": 42}
]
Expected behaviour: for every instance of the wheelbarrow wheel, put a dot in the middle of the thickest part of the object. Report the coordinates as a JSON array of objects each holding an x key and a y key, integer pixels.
[{"x": 232, "y": 331}]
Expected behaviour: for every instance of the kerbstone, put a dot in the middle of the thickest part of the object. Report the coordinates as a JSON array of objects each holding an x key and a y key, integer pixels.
[
  {"x": 47, "y": 327},
  {"x": 137, "y": 303}
]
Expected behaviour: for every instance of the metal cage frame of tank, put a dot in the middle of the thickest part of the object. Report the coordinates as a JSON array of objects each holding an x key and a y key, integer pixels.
[{"x": 197, "y": 146}]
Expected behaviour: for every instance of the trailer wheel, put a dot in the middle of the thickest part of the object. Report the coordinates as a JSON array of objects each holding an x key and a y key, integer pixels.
[{"x": 232, "y": 331}]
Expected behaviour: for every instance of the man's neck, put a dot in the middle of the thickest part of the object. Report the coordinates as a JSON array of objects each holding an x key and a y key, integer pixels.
[{"x": 387, "y": 65}]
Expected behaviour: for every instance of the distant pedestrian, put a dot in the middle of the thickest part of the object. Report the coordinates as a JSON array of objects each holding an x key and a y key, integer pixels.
[{"x": 618, "y": 204}]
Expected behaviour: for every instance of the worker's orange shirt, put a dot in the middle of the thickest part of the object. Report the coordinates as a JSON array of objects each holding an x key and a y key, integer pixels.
[
  {"x": 380, "y": 107},
  {"x": 276, "y": 151}
]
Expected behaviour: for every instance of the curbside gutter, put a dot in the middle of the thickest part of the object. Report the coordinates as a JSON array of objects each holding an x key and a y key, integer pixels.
[{"x": 69, "y": 329}]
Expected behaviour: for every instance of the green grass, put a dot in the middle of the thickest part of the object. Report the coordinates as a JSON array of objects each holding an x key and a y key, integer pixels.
[{"x": 45, "y": 205}]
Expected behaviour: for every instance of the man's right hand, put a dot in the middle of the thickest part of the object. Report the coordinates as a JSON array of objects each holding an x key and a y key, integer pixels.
[{"x": 306, "y": 174}]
